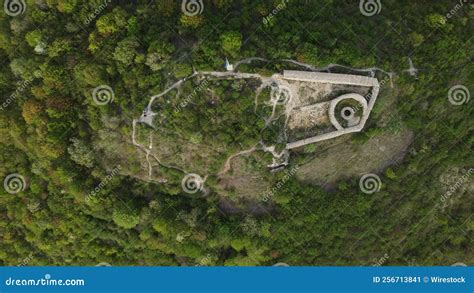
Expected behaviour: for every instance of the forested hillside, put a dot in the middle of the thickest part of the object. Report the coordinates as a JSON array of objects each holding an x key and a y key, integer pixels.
[{"x": 81, "y": 195}]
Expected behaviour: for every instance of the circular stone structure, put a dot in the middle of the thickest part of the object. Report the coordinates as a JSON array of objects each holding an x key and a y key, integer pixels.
[{"x": 347, "y": 113}]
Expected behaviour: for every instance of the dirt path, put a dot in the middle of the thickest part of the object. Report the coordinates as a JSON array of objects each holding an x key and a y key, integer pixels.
[{"x": 227, "y": 165}]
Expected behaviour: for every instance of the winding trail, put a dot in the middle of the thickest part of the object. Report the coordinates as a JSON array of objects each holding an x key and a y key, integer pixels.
[
  {"x": 148, "y": 153},
  {"x": 147, "y": 114},
  {"x": 172, "y": 87},
  {"x": 227, "y": 165},
  {"x": 248, "y": 61}
]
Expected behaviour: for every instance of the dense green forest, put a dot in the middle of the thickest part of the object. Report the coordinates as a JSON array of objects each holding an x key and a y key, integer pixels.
[{"x": 78, "y": 201}]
